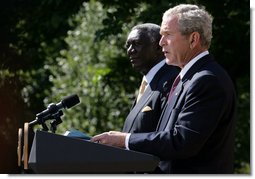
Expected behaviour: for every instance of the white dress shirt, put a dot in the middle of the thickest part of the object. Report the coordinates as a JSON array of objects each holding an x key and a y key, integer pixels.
[{"x": 191, "y": 63}]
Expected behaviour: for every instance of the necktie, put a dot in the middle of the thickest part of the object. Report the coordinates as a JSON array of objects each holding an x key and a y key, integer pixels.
[
  {"x": 175, "y": 83},
  {"x": 141, "y": 90}
]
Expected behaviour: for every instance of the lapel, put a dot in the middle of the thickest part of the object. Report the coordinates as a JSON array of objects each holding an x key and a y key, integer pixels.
[
  {"x": 137, "y": 109},
  {"x": 165, "y": 117},
  {"x": 170, "y": 105},
  {"x": 148, "y": 93},
  {"x": 155, "y": 81}
]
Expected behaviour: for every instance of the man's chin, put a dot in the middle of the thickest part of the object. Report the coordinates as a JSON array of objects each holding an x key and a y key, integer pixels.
[
  {"x": 137, "y": 68},
  {"x": 169, "y": 62}
]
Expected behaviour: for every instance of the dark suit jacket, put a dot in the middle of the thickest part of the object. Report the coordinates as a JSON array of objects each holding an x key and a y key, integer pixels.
[
  {"x": 196, "y": 131},
  {"x": 141, "y": 119}
]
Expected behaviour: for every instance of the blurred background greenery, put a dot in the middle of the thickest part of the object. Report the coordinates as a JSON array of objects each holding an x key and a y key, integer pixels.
[{"x": 50, "y": 49}]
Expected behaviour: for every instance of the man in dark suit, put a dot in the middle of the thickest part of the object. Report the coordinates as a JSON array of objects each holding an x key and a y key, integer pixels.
[
  {"x": 146, "y": 57},
  {"x": 195, "y": 133}
]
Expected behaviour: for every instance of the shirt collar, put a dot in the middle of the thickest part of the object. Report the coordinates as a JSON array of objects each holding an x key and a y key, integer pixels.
[
  {"x": 192, "y": 62},
  {"x": 149, "y": 76}
]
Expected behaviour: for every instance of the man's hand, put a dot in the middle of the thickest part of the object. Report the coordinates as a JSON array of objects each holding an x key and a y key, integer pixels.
[{"x": 113, "y": 138}]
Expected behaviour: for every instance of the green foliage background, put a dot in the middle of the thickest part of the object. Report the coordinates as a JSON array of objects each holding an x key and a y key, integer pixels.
[
  {"x": 88, "y": 68},
  {"x": 51, "y": 49}
]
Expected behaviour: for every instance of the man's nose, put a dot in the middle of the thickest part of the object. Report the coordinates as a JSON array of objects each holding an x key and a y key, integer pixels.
[
  {"x": 162, "y": 41},
  {"x": 130, "y": 49}
]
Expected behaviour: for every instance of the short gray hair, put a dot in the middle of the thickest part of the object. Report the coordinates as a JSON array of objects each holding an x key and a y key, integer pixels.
[{"x": 192, "y": 18}]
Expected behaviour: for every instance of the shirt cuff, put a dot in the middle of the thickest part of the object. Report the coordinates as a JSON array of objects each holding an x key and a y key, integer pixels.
[{"x": 127, "y": 140}]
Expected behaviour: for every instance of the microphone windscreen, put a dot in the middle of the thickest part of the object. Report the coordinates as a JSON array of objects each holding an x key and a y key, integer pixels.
[{"x": 70, "y": 101}]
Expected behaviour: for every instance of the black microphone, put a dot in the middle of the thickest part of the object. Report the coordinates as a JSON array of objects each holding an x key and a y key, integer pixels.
[{"x": 53, "y": 109}]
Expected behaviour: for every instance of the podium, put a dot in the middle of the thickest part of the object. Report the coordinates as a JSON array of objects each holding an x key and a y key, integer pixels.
[{"x": 54, "y": 153}]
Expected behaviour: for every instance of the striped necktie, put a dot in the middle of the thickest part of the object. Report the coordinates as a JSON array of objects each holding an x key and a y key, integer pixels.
[{"x": 175, "y": 83}]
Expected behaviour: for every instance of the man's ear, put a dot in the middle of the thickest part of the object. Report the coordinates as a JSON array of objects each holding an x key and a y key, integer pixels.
[{"x": 194, "y": 39}]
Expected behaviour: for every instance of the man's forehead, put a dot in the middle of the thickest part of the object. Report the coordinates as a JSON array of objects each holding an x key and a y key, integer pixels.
[
  {"x": 139, "y": 35},
  {"x": 133, "y": 34},
  {"x": 164, "y": 28},
  {"x": 168, "y": 24}
]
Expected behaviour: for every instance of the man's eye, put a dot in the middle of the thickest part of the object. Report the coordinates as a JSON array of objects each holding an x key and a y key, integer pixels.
[{"x": 137, "y": 43}]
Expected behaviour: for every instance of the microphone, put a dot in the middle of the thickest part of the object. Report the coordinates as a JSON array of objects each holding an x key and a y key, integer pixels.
[{"x": 53, "y": 109}]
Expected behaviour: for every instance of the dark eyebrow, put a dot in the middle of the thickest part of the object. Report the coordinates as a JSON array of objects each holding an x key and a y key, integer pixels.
[{"x": 163, "y": 31}]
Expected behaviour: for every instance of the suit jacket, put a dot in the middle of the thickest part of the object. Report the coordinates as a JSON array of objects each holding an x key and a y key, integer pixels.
[
  {"x": 196, "y": 130},
  {"x": 144, "y": 115}
]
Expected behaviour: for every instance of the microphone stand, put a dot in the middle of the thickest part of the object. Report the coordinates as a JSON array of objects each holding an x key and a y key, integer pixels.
[{"x": 57, "y": 120}]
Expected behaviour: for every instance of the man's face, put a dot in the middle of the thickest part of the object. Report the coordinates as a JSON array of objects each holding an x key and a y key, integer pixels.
[
  {"x": 141, "y": 52},
  {"x": 174, "y": 45}
]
